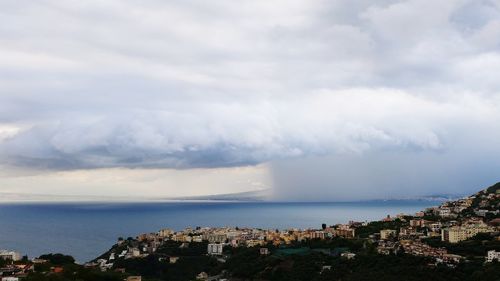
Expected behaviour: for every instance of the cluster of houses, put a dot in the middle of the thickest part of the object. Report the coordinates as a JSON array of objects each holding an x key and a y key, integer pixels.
[
  {"x": 249, "y": 237},
  {"x": 14, "y": 272},
  {"x": 411, "y": 240},
  {"x": 452, "y": 222},
  {"x": 15, "y": 268},
  {"x": 243, "y": 237},
  {"x": 218, "y": 238},
  {"x": 457, "y": 226},
  {"x": 441, "y": 255}
]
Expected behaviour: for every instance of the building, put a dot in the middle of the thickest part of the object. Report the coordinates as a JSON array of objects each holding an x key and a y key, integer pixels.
[
  {"x": 165, "y": 232},
  {"x": 348, "y": 255},
  {"x": 408, "y": 231},
  {"x": 481, "y": 212},
  {"x": 215, "y": 249},
  {"x": 417, "y": 223},
  {"x": 387, "y": 234},
  {"x": 345, "y": 232},
  {"x": 495, "y": 222},
  {"x": 10, "y": 255},
  {"x": 326, "y": 268},
  {"x": 253, "y": 243},
  {"x": 202, "y": 276},
  {"x": 417, "y": 248},
  {"x": 134, "y": 278},
  {"x": 318, "y": 235},
  {"x": 388, "y": 218},
  {"x": 445, "y": 212},
  {"x": 10, "y": 278},
  {"x": 216, "y": 238},
  {"x": 264, "y": 251},
  {"x": 419, "y": 214},
  {"x": 435, "y": 226},
  {"x": 493, "y": 255},
  {"x": 387, "y": 247},
  {"x": 134, "y": 252},
  {"x": 456, "y": 234}
]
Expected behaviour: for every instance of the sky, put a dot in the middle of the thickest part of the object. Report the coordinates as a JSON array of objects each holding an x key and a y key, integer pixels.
[{"x": 308, "y": 99}]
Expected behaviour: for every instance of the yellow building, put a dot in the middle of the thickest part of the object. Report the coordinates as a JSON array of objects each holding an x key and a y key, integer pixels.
[
  {"x": 387, "y": 233},
  {"x": 456, "y": 234}
]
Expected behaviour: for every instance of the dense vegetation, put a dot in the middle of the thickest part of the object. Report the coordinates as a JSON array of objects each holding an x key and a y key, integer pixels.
[
  {"x": 58, "y": 259},
  {"x": 376, "y": 226},
  {"x": 364, "y": 267},
  {"x": 69, "y": 271},
  {"x": 186, "y": 268},
  {"x": 247, "y": 264},
  {"x": 494, "y": 188},
  {"x": 74, "y": 273}
]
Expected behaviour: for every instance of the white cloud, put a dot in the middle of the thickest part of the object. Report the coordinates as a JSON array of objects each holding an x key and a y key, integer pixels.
[{"x": 8, "y": 131}]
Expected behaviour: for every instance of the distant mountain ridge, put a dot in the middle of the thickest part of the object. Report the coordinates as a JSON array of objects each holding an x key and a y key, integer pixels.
[{"x": 256, "y": 195}]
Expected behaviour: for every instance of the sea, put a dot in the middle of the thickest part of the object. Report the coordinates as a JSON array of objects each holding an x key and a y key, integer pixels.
[{"x": 85, "y": 230}]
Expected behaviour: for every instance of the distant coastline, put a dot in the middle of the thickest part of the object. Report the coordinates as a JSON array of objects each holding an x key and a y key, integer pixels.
[{"x": 250, "y": 196}]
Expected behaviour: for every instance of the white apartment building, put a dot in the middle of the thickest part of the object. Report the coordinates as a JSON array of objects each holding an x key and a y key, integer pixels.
[
  {"x": 10, "y": 278},
  {"x": 10, "y": 255},
  {"x": 493, "y": 255},
  {"x": 215, "y": 249},
  {"x": 445, "y": 212}
]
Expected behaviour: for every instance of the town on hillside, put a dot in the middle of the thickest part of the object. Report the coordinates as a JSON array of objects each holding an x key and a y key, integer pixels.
[{"x": 459, "y": 240}]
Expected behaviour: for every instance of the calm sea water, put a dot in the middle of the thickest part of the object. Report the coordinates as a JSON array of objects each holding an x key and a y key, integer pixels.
[{"x": 85, "y": 230}]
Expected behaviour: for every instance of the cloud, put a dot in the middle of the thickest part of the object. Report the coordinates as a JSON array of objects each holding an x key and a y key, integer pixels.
[
  {"x": 134, "y": 184},
  {"x": 219, "y": 134},
  {"x": 195, "y": 84}
]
